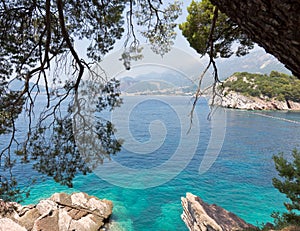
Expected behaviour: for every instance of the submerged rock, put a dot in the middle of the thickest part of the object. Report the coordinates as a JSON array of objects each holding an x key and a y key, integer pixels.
[
  {"x": 200, "y": 216},
  {"x": 60, "y": 212}
]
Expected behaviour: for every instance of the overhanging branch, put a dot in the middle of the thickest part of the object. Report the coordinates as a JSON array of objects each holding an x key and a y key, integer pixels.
[
  {"x": 69, "y": 43},
  {"x": 210, "y": 47}
]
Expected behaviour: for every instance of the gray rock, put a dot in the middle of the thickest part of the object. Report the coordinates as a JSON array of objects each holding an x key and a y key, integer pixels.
[
  {"x": 101, "y": 208},
  {"x": 48, "y": 222},
  {"x": 46, "y": 206},
  {"x": 28, "y": 218},
  {"x": 61, "y": 198},
  {"x": 9, "y": 209},
  {"x": 90, "y": 222},
  {"x": 64, "y": 220},
  {"x": 236, "y": 100},
  {"x": 7, "y": 224},
  {"x": 200, "y": 216},
  {"x": 61, "y": 212}
]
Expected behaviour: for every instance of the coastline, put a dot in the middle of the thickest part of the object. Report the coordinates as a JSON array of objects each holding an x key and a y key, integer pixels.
[{"x": 235, "y": 100}]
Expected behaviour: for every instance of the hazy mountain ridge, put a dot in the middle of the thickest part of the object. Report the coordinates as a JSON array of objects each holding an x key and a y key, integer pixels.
[
  {"x": 156, "y": 83},
  {"x": 256, "y": 61},
  {"x": 176, "y": 83}
]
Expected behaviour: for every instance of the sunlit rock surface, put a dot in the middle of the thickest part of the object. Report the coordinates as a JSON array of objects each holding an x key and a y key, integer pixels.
[
  {"x": 239, "y": 101},
  {"x": 200, "y": 216},
  {"x": 60, "y": 212}
]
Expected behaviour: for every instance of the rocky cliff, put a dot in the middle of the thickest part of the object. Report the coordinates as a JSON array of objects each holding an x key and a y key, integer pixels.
[
  {"x": 239, "y": 101},
  {"x": 200, "y": 216},
  {"x": 253, "y": 91},
  {"x": 60, "y": 212}
]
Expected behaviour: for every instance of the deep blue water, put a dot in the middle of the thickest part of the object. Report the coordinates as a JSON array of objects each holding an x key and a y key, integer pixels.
[{"x": 157, "y": 167}]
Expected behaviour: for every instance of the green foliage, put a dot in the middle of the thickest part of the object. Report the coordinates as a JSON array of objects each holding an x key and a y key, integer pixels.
[
  {"x": 9, "y": 189},
  {"x": 38, "y": 45},
  {"x": 276, "y": 85},
  {"x": 9, "y": 112},
  {"x": 31, "y": 28},
  {"x": 56, "y": 156},
  {"x": 162, "y": 34},
  {"x": 56, "y": 151},
  {"x": 198, "y": 26},
  {"x": 289, "y": 184}
]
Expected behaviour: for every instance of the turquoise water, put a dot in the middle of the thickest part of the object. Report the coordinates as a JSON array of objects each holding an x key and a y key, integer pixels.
[{"x": 240, "y": 179}]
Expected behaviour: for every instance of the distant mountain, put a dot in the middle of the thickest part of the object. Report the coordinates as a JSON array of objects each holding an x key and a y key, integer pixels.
[
  {"x": 257, "y": 61},
  {"x": 171, "y": 82},
  {"x": 149, "y": 86},
  {"x": 157, "y": 83},
  {"x": 175, "y": 79},
  {"x": 127, "y": 82}
]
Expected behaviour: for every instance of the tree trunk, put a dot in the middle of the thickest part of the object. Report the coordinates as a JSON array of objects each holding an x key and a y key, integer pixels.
[{"x": 272, "y": 24}]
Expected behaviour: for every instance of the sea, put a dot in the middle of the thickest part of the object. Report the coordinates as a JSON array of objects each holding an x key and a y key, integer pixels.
[{"x": 224, "y": 156}]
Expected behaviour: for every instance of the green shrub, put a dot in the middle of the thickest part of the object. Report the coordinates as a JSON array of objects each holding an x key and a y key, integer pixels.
[
  {"x": 289, "y": 184},
  {"x": 276, "y": 85}
]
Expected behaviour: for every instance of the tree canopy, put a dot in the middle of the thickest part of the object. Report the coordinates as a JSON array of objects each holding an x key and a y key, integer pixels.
[
  {"x": 271, "y": 24},
  {"x": 225, "y": 34},
  {"x": 38, "y": 46},
  {"x": 213, "y": 33}
]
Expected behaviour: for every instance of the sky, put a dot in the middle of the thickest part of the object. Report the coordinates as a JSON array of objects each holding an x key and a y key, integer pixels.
[
  {"x": 181, "y": 48},
  {"x": 180, "y": 42},
  {"x": 182, "y": 57}
]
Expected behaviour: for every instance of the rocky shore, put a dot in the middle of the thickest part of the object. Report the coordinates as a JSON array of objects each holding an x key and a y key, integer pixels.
[
  {"x": 200, "y": 216},
  {"x": 235, "y": 100},
  {"x": 60, "y": 212}
]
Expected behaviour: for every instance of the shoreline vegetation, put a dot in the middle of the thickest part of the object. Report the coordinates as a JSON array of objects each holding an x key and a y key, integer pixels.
[{"x": 248, "y": 91}]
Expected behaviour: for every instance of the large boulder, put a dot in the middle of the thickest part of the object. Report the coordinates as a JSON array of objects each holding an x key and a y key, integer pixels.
[
  {"x": 200, "y": 216},
  {"x": 60, "y": 212}
]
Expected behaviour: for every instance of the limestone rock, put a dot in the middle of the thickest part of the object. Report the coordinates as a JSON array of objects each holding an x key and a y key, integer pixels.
[
  {"x": 90, "y": 222},
  {"x": 291, "y": 228},
  {"x": 60, "y": 212},
  {"x": 27, "y": 219},
  {"x": 237, "y": 100},
  {"x": 46, "y": 206},
  {"x": 200, "y": 216},
  {"x": 47, "y": 222},
  {"x": 61, "y": 198},
  {"x": 9, "y": 209},
  {"x": 7, "y": 224}
]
